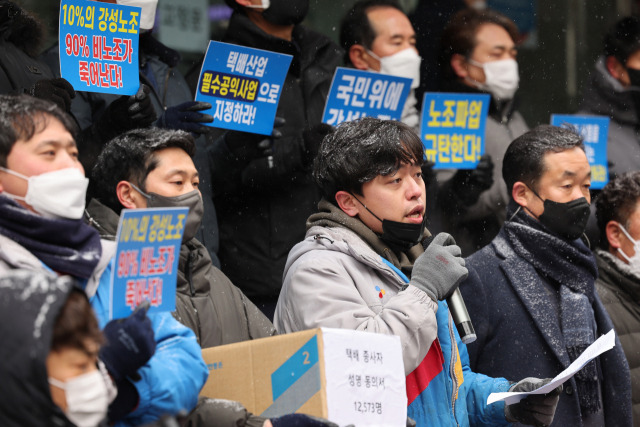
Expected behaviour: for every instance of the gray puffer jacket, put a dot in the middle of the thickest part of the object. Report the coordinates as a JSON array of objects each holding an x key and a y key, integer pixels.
[{"x": 334, "y": 279}]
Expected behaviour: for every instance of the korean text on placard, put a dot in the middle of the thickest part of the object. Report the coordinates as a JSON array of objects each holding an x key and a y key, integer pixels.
[
  {"x": 243, "y": 85},
  {"x": 453, "y": 129},
  {"x": 355, "y": 94},
  {"x": 143, "y": 267},
  {"x": 98, "y": 46},
  {"x": 594, "y": 131}
]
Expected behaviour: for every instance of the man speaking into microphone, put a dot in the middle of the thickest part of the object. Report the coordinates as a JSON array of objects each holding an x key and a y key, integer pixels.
[{"x": 363, "y": 266}]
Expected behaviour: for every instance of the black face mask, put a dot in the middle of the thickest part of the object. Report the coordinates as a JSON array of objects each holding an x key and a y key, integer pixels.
[
  {"x": 286, "y": 12},
  {"x": 568, "y": 220},
  {"x": 400, "y": 236},
  {"x": 634, "y": 77}
]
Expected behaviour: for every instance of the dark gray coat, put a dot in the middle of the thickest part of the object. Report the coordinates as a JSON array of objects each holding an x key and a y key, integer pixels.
[
  {"x": 262, "y": 218},
  {"x": 519, "y": 332}
]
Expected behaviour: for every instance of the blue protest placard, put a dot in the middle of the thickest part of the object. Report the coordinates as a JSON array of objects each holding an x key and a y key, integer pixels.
[
  {"x": 356, "y": 93},
  {"x": 98, "y": 45},
  {"x": 452, "y": 128},
  {"x": 146, "y": 261},
  {"x": 595, "y": 131},
  {"x": 243, "y": 86}
]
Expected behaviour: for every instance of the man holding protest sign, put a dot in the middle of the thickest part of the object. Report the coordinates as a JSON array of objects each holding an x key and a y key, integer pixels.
[
  {"x": 42, "y": 197},
  {"x": 160, "y": 96},
  {"x": 613, "y": 91},
  {"x": 153, "y": 168},
  {"x": 478, "y": 55},
  {"x": 377, "y": 36},
  {"x": 262, "y": 186}
]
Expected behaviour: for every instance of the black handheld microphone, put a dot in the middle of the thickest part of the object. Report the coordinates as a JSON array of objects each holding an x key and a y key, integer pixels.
[{"x": 456, "y": 305}]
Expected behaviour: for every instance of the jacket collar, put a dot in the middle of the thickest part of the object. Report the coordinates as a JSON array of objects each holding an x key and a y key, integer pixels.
[
  {"x": 531, "y": 293},
  {"x": 604, "y": 95},
  {"x": 614, "y": 271},
  {"x": 102, "y": 218}
]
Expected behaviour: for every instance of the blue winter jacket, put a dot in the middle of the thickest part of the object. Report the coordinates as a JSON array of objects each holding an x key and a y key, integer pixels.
[
  {"x": 172, "y": 379},
  {"x": 444, "y": 389}
]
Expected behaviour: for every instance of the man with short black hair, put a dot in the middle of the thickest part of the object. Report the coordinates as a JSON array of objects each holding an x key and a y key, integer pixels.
[
  {"x": 618, "y": 258},
  {"x": 614, "y": 91},
  {"x": 363, "y": 266},
  {"x": 533, "y": 286},
  {"x": 152, "y": 167},
  {"x": 147, "y": 168}
]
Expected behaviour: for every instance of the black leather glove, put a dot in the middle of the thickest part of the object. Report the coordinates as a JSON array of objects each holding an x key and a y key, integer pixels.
[
  {"x": 300, "y": 420},
  {"x": 186, "y": 116},
  {"x": 245, "y": 146},
  {"x": 8, "y": 11},
  {"x": 57, "y": 90},
  {"x": 312, "y": 139},
  {"x": 468, "y": 184},
  {"x": 129, "y": 112},
  {"x": 130, "y": 343},
  {"x": 536, "y": 409},
  {"x": 440, "y": 269}
]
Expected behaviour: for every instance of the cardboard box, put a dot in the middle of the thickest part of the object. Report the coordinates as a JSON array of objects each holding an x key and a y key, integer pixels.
[{"x": 346, "y": 376}]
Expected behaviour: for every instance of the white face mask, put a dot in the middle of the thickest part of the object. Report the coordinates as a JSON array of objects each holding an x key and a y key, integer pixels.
[
  {"x": 634, "y": 261},
  {"x": 87, "y": 398},
  {"x": 502, "y": 78},
  {"x": 405, "y": 63},
  {"x": 264, "y": 4},
  {"x": 57, "y": 194},
  {"x": 148, "y": 14}
]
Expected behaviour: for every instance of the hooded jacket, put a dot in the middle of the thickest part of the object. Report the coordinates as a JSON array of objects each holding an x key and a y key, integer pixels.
[
  {"x": 619, "y": 290},
  {"x": 172, "y": 379},
  {"x": 605, "y": 96},
  {"x": 263, "y": 217},
  {"x": 29, "y": 306},
  {"x": 333, "y": 278}
]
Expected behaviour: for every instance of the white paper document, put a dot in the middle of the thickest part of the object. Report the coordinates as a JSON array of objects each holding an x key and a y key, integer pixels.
[{"x": 599, "y": 346}]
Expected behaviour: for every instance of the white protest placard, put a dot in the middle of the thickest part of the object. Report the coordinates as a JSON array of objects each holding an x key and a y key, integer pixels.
[
  {"x": 599, "y": 346},
  {"x": 365, "y": 378}
]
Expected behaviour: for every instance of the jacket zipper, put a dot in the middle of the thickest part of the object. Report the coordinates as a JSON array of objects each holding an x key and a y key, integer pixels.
[
  {"x": 189, "y": 273},
  {"x": 452, "y": 368}
]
